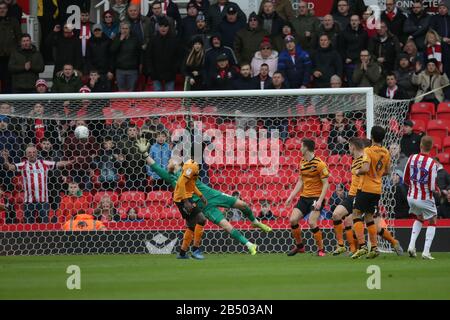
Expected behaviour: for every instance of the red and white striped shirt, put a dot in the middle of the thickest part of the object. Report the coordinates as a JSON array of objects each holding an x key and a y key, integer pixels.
[
  {"x": 420, "y": 174},
  {"x": 35, "y": 179}
]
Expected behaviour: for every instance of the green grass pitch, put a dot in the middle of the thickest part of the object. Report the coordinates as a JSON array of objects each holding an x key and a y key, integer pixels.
[{"x": 224, "y": 276}]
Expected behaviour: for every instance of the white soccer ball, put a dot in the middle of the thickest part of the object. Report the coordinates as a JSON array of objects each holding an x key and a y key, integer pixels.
[{"x": 81, "y": 132}]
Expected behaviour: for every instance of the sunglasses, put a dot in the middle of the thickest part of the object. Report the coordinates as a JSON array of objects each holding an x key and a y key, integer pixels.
[{"x": 266, "y": 48}]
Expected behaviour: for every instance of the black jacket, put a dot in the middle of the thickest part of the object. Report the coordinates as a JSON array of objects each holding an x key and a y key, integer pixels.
[
  {"x": 400, "y": 94},
  {"x": 212, "y": 54},
  {"x": 127, "y": 53},
  {"x": 401, "y": 208},
  {"x": 351, "y": 42},
  {"x": 229, "y": 30},
  {"x": 223, "y": 80},
  {"x": 162, "y": 58},
  {"x": 215, "y": 16},
  {"x": 277, "y": 22},
  {"x": 388, "y": 49},
  {"x": 329, "y": 62},
  {"x": 267, "y": 82},
  {"x": 348, "y": 132},
  {"x": 241, "y": 83},
  {"x": 410, "y": 144},
  {"x": 98, "y": 54},
  {"x": 65, "y": 50},
  {"x": 396, "y": 25},
  {"x": 443, "y": 179}
]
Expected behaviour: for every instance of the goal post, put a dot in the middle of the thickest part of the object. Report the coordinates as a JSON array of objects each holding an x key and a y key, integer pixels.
[{"x": 247, "y": 142}]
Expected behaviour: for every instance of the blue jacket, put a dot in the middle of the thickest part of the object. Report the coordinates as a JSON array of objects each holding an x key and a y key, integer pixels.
[
  {"x": 161, "y": 153},
  {"x": 297, "y": 74}
]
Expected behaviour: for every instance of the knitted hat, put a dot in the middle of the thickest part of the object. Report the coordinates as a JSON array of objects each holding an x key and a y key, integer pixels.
[
  {"x": 41, "y": 82},
  {"x": 85, "y": 89},
  {"x": 289, "y": 38}
]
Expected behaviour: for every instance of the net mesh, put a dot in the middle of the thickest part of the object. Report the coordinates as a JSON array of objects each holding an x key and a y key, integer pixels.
[{"x": 248, "y": 146}]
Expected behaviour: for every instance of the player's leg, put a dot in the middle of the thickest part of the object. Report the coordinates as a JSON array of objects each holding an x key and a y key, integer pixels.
[
  {"x": 349, "y": 234},
  {"x": 416, "y": 228},
  {"x": 200, "y": 222},
  {"x": 248, "y": 213},
  {"x": 429, "y": 236},
  {"x": 237, "y": 235},
  {"x": 313, "y": 220},
  {"x": 296, "y": 230},
  {"x": 358, "y": 228},
  {"x": 339, "y": 213},
  {"x": 387, "y": 235},
  {"x": 373, "y": 236},
  {"x": 188, "y": 235}
]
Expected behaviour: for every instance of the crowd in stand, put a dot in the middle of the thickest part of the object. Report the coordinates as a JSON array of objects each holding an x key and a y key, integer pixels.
[{"x": 215, "y": 47}]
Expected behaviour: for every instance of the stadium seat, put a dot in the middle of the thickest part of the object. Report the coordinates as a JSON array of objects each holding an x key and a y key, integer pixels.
[
  {"x": 443, "y": 111},
  {"x": 423, "y": 111},
  {"x": 159, "y": 196},
  {"x": 132, "y": 199},
  {"x": 437, "y": 128},
  {"x": 293, "y": 143},
  {"x": 437, "y": 146},
  {"x": 444, "y": 158},
  {"x": 99, "y": 195},
  {"x": 419, "y": 126},
  {"x": 446, "y": 145}
]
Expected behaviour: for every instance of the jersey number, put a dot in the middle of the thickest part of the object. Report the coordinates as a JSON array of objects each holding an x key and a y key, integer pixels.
[
  {"x": 379, "y": 165},
  {"x": 424, "y": 174}
]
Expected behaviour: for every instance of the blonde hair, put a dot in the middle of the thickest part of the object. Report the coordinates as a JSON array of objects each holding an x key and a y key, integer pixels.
[
  {"x": 195, "y": 57},
  {"x": 434, "y": 33}
]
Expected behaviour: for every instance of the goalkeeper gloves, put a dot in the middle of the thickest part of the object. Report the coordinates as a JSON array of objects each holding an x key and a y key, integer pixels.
[{"x": 143, "y": 145}]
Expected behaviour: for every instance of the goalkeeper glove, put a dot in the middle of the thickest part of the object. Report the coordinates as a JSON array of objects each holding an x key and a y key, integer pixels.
[{"x": 143, "y": 146}]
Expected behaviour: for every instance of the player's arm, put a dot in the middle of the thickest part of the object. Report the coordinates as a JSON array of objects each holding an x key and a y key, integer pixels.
[
  {"x": 63, "y": 164},
  {"x": 325, "y": 186},
  {"x": 363, "y": 170},
  {"x": 200, "y": 195},
  {"x": 7, "y": 165},
  {"x": 298, "y": 187}
]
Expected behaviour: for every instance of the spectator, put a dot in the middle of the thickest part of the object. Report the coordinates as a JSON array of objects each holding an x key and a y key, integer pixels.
[
  {"x": 338, "y": 196},
  {"x": 403, "y": 74},
  {"x": 108, "y": 162},
  {"x": 14, "y": 123},
  {"x": 47, "y": 17},
  {"x": 356, "y": 7},
  {"x": 247, "y": 40},
  {"x": 417, "y": 24},
  {"x": 444, "y": 208},
  {"x": 278, "y": 40},
  {"x": 202, "y": 31},
  {"x": 67, "y": 81},
  {"x": 25, "y": 64},
  {"x": 134, "y": 163},
  {"x": 278, "y": 81},
  {"x": 84, "y": 34},
  {"x": 367, "y": 73},
  {"x": 14, "y": 10},
  {"x": 368, "y": 24},
  {"x": 282, "y": 7},
  {"x": 391, "y": 90},
  {"x": 151, "y": 128},
  {"x": 188, "y": 26},
  {"x": 306, "y": 26},
  {"x": 217, "y": 48},
  {"x": 352, "y": 40},
  {"x": 410, "y": 141},
  {"x": 6, "y": 206},
  {"x": 36, "y": 128},
  {"x": 139, "y": 26},
  {"x": 156, "y": 14},
  {"x": 295, "y": 64},
  {"x": 234, "y": 214},
  {"x": 41, "y": 86},
  {"x": 118, "y": 128},
  {"x": 343, "y": 15},
  {"x": 229, "y": 27},
  {"x": 280, "y": 124},
  {"x": 203, "y": 5},
  {"x": 428, "y": 80},
  {"x": 110, "y": 26},
  {"x": 395, "y": 20},
  {"x": 266, "y": 213},
  {"x": 263, "y": 80},
  {"x": 326, "y": 62},
  {"x": 132, "y": 216},
  {"x": 244, "y": 80},
  {"x": 193, "y": 66},
  {"x": 335, "y": 81},
  {"x": 224, "y": 75},
  {"x": 398, "y": 157},
  {"x": 433, "y": 48},
  {"x": 217, "y": 11},
  {"x": 11, "y": 142},
  {"x": 105, "y": 211},
  {"x": 63, "y": 9},
  {"x": 9, "y": 39},
  {"x": 126, "y": 49},
  {"x": 170, "y": 10},
  {"x": 385, "y": 47},
  {"x": 401, "y": 207},
  {"x": 72, "y": 202},
  {"x": 341, "y": 131},
  {"x": 98, "y": 55},
  {"x": 270, "y": 20},
  {"x": 36, "y": 194},
  {"x": 440, "y": 23},
  {"x": 97, "y": 82},
  {"x": 66, "y": 48},
  {"x": 161, "y": 153},
  {"x": 443, "y": 178},
  {"x": 120, "y": 9},
  {"x": 330, "y": 28},
  {"x": 265, "y": 56},
  {"x": 83, "y": 222},
  {"x": 81, "y": 152},
  {"x": 414, "y": 55}
]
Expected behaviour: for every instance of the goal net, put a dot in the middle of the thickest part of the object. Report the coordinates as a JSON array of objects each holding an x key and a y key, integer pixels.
[{"x": 93, "y": 192}]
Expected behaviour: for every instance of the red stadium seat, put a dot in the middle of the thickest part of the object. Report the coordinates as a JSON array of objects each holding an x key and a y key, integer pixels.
[
  {"x": 419, "y": 126},
  {"x": 437, "y": 128},
  {"x": 444, "y": 158},
  {"x": 132, "y": 199},
  {"x": 437, "y": 146},
  {"x": 423, "y": 111},
  {"x": 99, "y": 195},
  {"x": 446, "y": 145},
  {"x": 443, "y": 111},
  {"x": 159, "y": 196},
  {"x": 293, "y": 143}
]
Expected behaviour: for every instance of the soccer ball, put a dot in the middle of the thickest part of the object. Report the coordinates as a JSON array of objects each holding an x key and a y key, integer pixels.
[{"x": 82, "y": 132}]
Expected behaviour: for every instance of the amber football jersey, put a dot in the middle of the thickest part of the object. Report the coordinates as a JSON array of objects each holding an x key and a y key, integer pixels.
[
  {"x": 379, "y": 161},
  {"x": 185, "y": 186},
  {"x": 312, "y": 172},
  {"x": 356, "y": 180}
]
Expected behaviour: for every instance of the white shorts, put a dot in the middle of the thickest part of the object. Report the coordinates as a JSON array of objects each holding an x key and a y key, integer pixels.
[{"x": 425, "y": 208}]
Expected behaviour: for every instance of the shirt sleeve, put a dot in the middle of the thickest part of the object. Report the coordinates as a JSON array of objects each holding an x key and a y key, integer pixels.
[{"x": 324, "y": 173}]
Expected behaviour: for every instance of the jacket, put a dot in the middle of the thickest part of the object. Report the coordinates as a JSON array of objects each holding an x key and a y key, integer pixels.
[
  {"x": 351, "y": 42},
  {"x": 427, "y": 83},
  {"x": 65, "y": 50},
  {"x": 229, "y": 30},
  {"x": 109, "y": 166},
  {"x": 83, "y": 222},
  {"x": 161, "y": 153},
  {"x": 21, "y": 78},
  {"x": 296, "y": 74},
  {"x": 301, "y": 24},
  {"x": 247, "y": 41},
  {"x": 400, "y": 94},
  {"x": 10, "y": 33},
  {"x": 141, "y": 29},
  {"x": 387, "y": 49},
  {"x": 241, "y": 83},
  {"x": 127, "y": 53},
  {"x": 63, "y": 85},
  {"x": 404, "y": 77},
  {"x": 276, "y": 23},
  {"x": 215, "y": 16},
  {"x": 329, "y": 62},
  {"x": 395, "y": 26},
  {"x": 212, "y": 53},
  {"x": 98, "y": 54},
  {"x": 410, "y": 144},
  {"x": 283, "y": 8},
  {"x": 162, "y": 57},
  {"x": 417, "y": 27},
  {"x": 370, "y": 78},
  {"x": 271, "y": 61},
  {"x": 223, "y": 79},
  {"x": 332, "y": 33},
  {"x": 267, "y": 84}
]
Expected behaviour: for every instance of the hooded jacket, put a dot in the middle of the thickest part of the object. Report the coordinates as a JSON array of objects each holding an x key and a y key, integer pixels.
[
  {"x": 25, "y": 79},
  {"x": 247, "y": 41},
  {"x": 296, "y": 74},
  {"x": 258, "y": 60},
  {"x": 212, "y": 53}
]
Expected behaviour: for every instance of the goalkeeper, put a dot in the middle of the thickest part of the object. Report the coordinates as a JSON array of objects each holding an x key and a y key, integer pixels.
[{"x": 215, "y": 199}]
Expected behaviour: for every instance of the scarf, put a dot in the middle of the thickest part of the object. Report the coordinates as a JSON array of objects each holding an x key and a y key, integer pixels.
[{"x": 434, "y": 52}]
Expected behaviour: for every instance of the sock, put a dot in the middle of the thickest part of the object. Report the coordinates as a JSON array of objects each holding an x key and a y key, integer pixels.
[
  {"x": 198, "y": 233},
  {"x": 417, "y": 226},
  {"x": 187, "y": 239},
  {"x": 372, "y": 229},
  {"x": 248, "y": 213},
  {"x": 338, "y": 231},
  {"x": 235, "y": 234},
  {"x": 358, "y": 227},
  {"x": 350, "y": 239},
  {"x": 387, "y": 235},
  {"x": 318, "y": 237},
  {"x": 431, "y": 229},
  {"x": 297, "y": 233}
]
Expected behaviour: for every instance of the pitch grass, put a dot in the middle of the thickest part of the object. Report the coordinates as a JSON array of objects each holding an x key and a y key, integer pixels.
[{"x": 224, "y": 276}]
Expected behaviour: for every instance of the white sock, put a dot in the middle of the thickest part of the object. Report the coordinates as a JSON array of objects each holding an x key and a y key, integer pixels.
[
  {"x": 417, "y": 226},
  {"x": 249, "y": 244},
  {"x": 429, "y": 239}
]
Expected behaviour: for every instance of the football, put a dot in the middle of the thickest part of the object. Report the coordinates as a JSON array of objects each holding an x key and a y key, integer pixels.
[{"x": 82, "y": 132}]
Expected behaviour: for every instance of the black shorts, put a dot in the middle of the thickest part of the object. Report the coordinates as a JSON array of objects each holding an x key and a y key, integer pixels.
[
  {"x": 367, "y": 202},
  {"x": 348, "y": 204},
  {"x": 186, "y": 214},
  {"x": 305, "y": 205}
]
